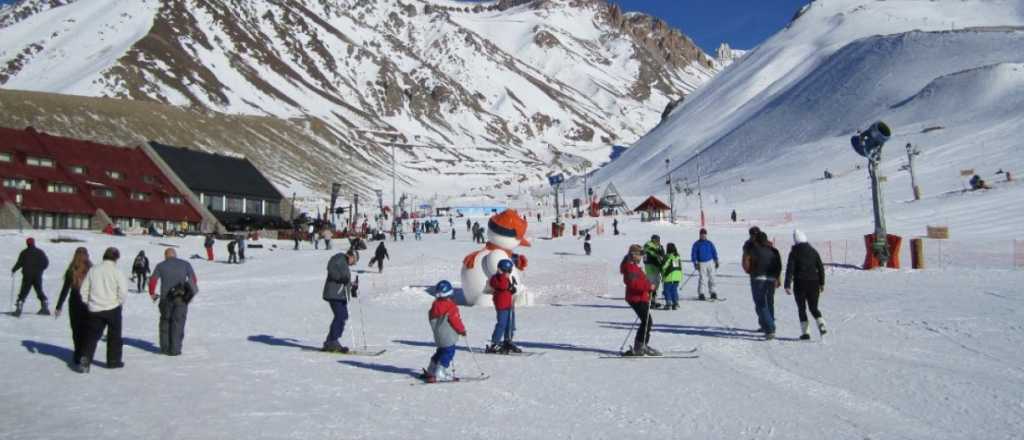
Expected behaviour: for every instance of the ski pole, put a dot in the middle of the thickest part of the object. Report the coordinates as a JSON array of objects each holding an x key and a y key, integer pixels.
[
  {"x": 362, "y": 321},
  {"x": 12, "y": 292},
  {"x": 631, "y": 327},
  {"x": 473, "y": 355}
]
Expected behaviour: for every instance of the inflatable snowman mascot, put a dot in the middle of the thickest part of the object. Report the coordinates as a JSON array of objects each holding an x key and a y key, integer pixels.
[{"x": 505, "y": 232}]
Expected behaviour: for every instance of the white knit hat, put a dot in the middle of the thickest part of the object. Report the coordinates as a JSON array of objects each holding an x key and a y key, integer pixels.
[{"x": 799, "y": 236}]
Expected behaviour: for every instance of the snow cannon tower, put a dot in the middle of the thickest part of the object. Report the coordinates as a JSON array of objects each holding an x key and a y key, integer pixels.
[
  {"x": 869, "y": 143},
  {"x": 505, "y": 232}
]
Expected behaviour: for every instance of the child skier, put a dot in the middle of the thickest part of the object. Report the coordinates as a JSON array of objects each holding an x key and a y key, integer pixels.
[
  {"x": 671, "y": 275},
  {"x": 446, "y": 323},
  {"x": 504, "y": 286}
]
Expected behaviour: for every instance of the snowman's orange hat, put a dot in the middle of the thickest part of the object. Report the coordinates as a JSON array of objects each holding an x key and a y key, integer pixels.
[{"x": 509, "y": 224}]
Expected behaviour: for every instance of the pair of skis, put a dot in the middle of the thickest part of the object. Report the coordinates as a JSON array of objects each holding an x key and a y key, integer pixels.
[{"x": 672, "y": 354}]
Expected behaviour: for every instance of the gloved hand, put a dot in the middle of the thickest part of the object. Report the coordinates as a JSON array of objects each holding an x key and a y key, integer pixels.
[
  {"x": 155, "y": 298},
  {"x": 355, "y": 290},
  {"x": 716, "y": 265},
  {"x": 512, "y": 289}
]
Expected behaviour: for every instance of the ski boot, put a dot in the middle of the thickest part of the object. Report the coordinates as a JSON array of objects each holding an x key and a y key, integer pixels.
[
  {"x": 429, "y": 374},
  {"x": 494, "y": 349},
  {"x": 334, "y": 347},
  {"x": 17, "y": 309},
  {"x": 701, "y": 297},
  {"x": 714, "y": 296},
  {"x": 675, "y": 306},
  {"x": 509, "y": 347},
  {"x": 634, "y": 351},
  {"x": 821, "y": 326},
  {"x": 650, "y": 351},
  {"x": 805, "y": 327},
  {"x": 769, "y": 336},
  {"x": 44, "y": 309}
]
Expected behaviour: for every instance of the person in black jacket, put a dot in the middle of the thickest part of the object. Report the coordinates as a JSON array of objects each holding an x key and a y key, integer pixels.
[
  {"x": 32, "y": 261},
  {"x": 140, "y": 269},
  {"x": 78, "y": 313},
  {"x": 232, "y": 255},
  {"x": 379, "y": 255},
  {"x": 764, "y": 265},
  {"x": 806, "y": 274}
]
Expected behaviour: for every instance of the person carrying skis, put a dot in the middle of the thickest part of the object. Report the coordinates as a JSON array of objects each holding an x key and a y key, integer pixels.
[
  {"x": 232, "y": 255},
  {"x": 703, "y": 254},
  {"x": 672, "y": 274},
  {"x": 806, "y": 274},
  {"x": 32, "y": 262},
  {"x": 338, "y": 289},
  {"x": 446, "y": 324},
  {"x": 638, "y": 290},
  {"x": 140, "y": 269},
  {"x": 208, "y": 244},
  {"x": 764, "y": 266},
  {"x": 77, "y": 311},
  {"x": 379, "y": 255},
  {"x": 654, "y": 259},
  {"x": 503, "y": 285}
]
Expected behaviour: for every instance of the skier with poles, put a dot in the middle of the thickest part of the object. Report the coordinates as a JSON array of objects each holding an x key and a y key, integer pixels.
[
  {"x": 447, "y": 326},
  {"x": 638, "y": 290},
  {"x": 32, "y": 262},
  {"x": 338, "y": 289},
  {"x": 504, "y": 286}
]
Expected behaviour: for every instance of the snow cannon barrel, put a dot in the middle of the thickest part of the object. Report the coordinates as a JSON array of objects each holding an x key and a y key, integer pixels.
[{"x": 870, "y": 141}]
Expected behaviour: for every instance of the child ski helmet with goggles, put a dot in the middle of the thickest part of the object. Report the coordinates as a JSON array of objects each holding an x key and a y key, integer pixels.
[{"x": 443, "y": 289}]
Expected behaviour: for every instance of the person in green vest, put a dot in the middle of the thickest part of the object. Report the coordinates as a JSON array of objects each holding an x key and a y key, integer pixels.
[
  {"x": 672, "y": 274},
  {"x": 654, "y": 259}
]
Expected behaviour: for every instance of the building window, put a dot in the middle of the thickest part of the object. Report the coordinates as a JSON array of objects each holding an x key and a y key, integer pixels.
[
  {"x": 116, "y": 175},
  {"x": 234, "y": 204},
  {"x": 174, "y": 200},
  {"x": 58, "y": 187},
  {"x": 18, "y": 184},
  {"x": 39, "y": 162},
  {"x": 139, "y": 196},
  {"x": 273, "y": 209},
  {"x": 253, "y": 206},
  {"x": 77, "y": 169},
  {"x": 5, "y": 157},
  {"x": 103, "y": 192}
]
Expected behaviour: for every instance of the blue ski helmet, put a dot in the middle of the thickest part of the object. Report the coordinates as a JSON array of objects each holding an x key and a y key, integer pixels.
[
  {"x": 443, "y": 289},
  {"x": 505, "y": 265}
]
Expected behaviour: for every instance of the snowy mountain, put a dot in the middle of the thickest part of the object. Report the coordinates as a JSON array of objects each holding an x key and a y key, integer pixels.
[
  {"x": 943, "y": 74},
  {"x": 475, "y": 93}
]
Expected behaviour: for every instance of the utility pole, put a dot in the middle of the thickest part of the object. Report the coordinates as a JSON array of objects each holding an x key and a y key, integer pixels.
[
  {"x": 911, "y": 152},
  {"x": 700, "y": 193},
  {"x": 671, "y": 190}
]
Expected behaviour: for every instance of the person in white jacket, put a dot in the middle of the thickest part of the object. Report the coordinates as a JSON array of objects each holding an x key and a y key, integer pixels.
[{"x": 103, "y": 292}]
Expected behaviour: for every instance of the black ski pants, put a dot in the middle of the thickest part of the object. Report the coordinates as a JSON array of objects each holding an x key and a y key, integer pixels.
[
  {"x": 96, "y": 322},
  {"x": 806, "y": 294},
  {"x": 140, "y": 281},
  {"x": 29, "y": 282},
  {"x": 173, "y": 313},
  {"x": 643, "y": 332},
  {"x": 78, "y": 317}
]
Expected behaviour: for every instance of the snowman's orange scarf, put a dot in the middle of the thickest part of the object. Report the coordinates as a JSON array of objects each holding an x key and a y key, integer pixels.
[{"x": 470, "y": 259}]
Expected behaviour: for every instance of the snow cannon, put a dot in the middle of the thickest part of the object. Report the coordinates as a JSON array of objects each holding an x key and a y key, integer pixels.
[
  {"x": 869, "y": 142},
  {"x": 505, "y": 233}
]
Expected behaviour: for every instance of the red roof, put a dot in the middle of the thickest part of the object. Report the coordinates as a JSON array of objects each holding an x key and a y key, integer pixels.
[
  {"x": 138, "y": 174},
  {"x": 652, "y": 204}
]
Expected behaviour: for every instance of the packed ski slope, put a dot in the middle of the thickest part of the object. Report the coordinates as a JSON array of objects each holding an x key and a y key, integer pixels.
[{"x": 911, "y": 354}]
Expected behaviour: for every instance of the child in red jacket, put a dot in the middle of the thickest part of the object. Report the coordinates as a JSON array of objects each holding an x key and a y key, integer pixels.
[
  {"x": 503, "y": 285},
  {"x": 446, "y": 323},
  {"x": 638, "y": 297}
]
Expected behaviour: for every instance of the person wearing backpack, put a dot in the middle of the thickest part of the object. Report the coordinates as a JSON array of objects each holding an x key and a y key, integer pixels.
[
  {"x": 140, "y": 269},
  {"x": 178, "y": 284}
]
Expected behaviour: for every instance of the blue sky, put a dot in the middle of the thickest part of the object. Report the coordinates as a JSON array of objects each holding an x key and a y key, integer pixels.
[{"x": 742, "y": 23}]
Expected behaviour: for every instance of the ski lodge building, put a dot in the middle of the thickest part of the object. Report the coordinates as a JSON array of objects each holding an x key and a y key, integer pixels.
[
  {"x": 237, "y": 194},
  {"x": 52, "y": 182}
]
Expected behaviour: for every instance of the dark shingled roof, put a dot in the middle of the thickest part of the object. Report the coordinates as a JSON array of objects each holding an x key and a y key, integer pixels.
[{"x": 215, "y": 173}]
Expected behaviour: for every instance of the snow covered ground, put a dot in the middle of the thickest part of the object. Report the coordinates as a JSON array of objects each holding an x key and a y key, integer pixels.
[{"x": 912, "y": 354}]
